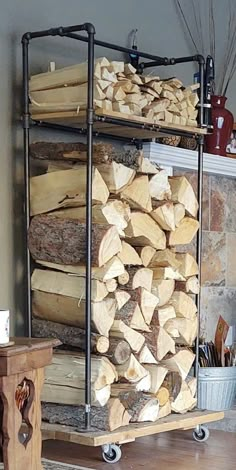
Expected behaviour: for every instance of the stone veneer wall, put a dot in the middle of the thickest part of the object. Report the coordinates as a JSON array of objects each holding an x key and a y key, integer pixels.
[{"x": 219, "y": 250}]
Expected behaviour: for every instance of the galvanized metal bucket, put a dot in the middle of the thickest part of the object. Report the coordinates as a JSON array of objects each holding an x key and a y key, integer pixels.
[{"x": 216, "y": 388}]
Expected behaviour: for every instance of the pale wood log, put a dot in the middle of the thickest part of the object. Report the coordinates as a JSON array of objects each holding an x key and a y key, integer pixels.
[
  {"x": 65, "y": 379},
  {"x": 65, "y": 189},
  {"x": 135, "y": 108},
  {"x": 63, "y": 241},
  {"x": 184, "y": 306},
  {"x": 121, "y": 107},
  {"x": 184, "y": 401},
  {"x": 120, "y": 330},
  {"x": 184, "y": 233},
  {"x": 109, "y": 92},
  {"x": 128, "y": 255},
  {"x": 71, "y": 75},
  {"x": 68, "y": 311},
  {"x": 164, "y": 410},
  {"x": 172, "y": 329},
  {"x": 116, "y": 176},
  {"x": 109, "y": 76},
  {"x": 55, "y": 282},
  {"x": 141, "y": 407},
  {"x": 121, "y": 297},
  {"x": 69, "y": 335},
  {"x": 116, "y": 66},
  {"x": 165, "y": 258},
  {"x": 146, "y": 254},
  {"x": 139, "y": 277},
  {"x": 69, "y": 94},
  {"x": 159, "y": 186},
  {"x": 192, "y": 384},
  {"x": 147, "y": 167},
  {"x": 167, "y": 273},
  {"x": 187, "y": 330},
  {"x": 113, "y": 268},
  {"x": 140, "y": 386},
  {"x": 123, "y": 279},
  {"x": 118, "y": 94},
  {"x": 180, "y": 362},
  {"x": 129, "y": 69},
  {"x": 158, "y": 374},
  {"x": 111, "y": 285},
  {"x": 132, "y": 316},
  {"x": 103, "y": 84},
  {"x": 115, "y": 213},
  {"x": 190, "y": 286},
  {"x": 183, "y": 192},
  {"x": 132, "y": 371},
  {"x": 163, "y": 314},
  {"x": 146, "y": 90},
  {"x": 107, "y": 418},
  {"x": 145, "y": 356},
  {"x": 147, "y": 302},
  {"x": 71, "y": 151},
  {"x": 159, "y": 342},
  {"x": 163, "y": 289},
  {"x": 158, "y": 105},
  {"x": 164, "y": 215},
  {"x": 119, "y": 351},
  {"x": 137, "y": 194},
  {"x": 188, "y": 265},
  {"x": 142, "y": 230},
  {"x": 173, "y": 383},
  {"x": 163, "y": 396}
]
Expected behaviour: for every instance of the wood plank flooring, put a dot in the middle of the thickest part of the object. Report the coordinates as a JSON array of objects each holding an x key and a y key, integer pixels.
[{"x": 168, "y": 451}]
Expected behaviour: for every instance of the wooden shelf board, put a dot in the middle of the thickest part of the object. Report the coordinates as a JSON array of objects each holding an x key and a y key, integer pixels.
[
  {"x": 172, "y": 422},
  {"x": 74, "y": 119}
]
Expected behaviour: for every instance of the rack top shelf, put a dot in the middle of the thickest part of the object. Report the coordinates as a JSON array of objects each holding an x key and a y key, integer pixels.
[{"x": 117, "y": 124}]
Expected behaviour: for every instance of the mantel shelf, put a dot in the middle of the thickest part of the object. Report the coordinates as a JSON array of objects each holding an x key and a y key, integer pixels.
[{"x": 168, "y": 156}]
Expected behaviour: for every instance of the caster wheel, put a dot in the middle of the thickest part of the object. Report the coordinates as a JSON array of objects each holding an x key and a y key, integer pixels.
[
  {"x": 111, "y": 453},
  {"x": 201, "y": 435}
]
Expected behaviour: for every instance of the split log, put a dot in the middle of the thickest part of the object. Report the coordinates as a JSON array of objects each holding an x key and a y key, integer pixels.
[
  {"x": 68, "y": 311},
  {"x": 163, "y": 214},
  {"x": 132, "y": 316},
  {"x": 164, "y": 410},
  {"x": 158, "y": 374},
  {"x": 137, "y": 194},
  {"x": 116, "y": 176},
  {"x": 55, "y": 282},
  {"x": 184, "y": 306},
  {"x": 192, "y": 385},
  {"x": 187, "y": 330},
  {"x": 121, "y": 297},
  {"x": 188, "y": 265},
  {"x": 65, "y": 379},
  {"x": 179, "y": 213},
  {"x": 145, "y": 356},
  {"x": 180, "y": 362},
  {"x": 183, "y": 192},
  {"x": 65, "y": 188},
  {"x": 69, "y": 335},
  {"x": 141, "y": 407},
  {"x": 108, "y": 418},
  {"x": 142, "y": 230},
  {"x": 184, "y": 401},
  {"x": 159, "y": 186},
  {"x": 119, "y": 351},
  {"x": 131, "y": 370},
  {"x": 131, "y": 158},
  {"x": 120, "y": 330},
  {"x": 172, "y": 329},
  {"x": 129, "y": 255},
  {"x": 111, "y": 285},
  {"x": 148, "y": 168},
  {"x": 113, "y": 268},
  {"x": 173, "y": 383},
  {"x": 63, "y": 241},
  {"x": 159, "y": 342},
  {"x": 146, "y": 254},
  {"x": 123, "y": 279},
  {"x": 147, "y": 302},
  {"x": 167, "y": 273},
  {"x": 184, "y": 233},
  {"x": 190, "y": 286},
  {"x": 163, "y": 396},
  {"x": 162, "y": 315},
  {"x": 139, "y": 277},
  {"x": 165, "y": 258},
  {"x": 163, "y": 289}
]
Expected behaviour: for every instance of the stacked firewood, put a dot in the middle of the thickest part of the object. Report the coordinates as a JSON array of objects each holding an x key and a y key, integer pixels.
[
  {"x": 144, "y": 318},
  {"x": 117, "y": 88}
]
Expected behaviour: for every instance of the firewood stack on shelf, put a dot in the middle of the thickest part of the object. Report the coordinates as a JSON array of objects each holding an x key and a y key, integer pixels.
[
  {"x": 117, "y": 87},
  {"x": 144, "y": 318}
]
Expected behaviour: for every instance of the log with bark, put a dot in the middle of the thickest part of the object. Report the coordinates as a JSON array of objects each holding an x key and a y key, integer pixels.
[
  {"x": 140, "y": 406},
  {"x": 159, "y": 342},
  {"x": 163, "y": 289},
  {"x": 184, "y": 401},
  {"x": 191, "y": 286},
  {"x": 107, "y": 418},
  {"x": 119, "y": 351},
  {"x": 147, "y": 302},
  {"x": 173, "y": 383},
  {"x": 180, "y": 362},
  {"x": 132, "y": 316},
  {"x": 63, "y": 241},
  {"x": 120, "y": 330},
  {"x": 132, "y": 371}
]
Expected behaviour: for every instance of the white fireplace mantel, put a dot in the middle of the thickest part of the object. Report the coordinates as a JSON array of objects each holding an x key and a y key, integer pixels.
[{"x": 176, "y": 157}]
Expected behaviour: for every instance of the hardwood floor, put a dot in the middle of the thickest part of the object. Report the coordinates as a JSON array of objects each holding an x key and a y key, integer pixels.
[{"x": 167, "y": 451}]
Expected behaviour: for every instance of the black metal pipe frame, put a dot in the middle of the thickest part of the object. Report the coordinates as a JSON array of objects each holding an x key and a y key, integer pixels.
[{"x": 70, "y": 32}]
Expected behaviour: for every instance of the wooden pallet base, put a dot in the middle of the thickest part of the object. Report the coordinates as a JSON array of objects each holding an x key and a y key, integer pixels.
[{"x": 130, "y": 433}]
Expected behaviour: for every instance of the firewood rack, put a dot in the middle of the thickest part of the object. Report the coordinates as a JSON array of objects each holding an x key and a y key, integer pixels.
[{"x": 92, "y": 125}]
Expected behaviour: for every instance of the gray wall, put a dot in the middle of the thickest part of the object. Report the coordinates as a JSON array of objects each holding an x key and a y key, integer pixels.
[{"x": 159, "y": 32}]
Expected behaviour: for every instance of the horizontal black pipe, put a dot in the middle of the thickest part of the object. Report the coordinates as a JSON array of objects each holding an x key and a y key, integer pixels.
[
  {"x": 172, "y": 61},
  {"x": 60, "y": 31}
]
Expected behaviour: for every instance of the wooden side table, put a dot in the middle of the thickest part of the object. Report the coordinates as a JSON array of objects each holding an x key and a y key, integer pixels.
[{"x": 22, "y": 368}]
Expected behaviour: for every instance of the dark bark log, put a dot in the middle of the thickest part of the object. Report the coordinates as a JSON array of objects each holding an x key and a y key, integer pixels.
[{"x": 119, "y": 351}]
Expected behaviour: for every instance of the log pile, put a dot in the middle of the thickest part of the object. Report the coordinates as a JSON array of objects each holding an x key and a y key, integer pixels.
[
  {"x": 143, "y": 317},
  {"x": 118, "y": 88}
]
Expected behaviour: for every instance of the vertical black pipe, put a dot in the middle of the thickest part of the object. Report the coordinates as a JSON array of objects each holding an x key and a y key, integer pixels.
[
  {"x": 26, "y": 127},
  {"x": 200, "y": 189},
  {"x": 91, "y": 33}
]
